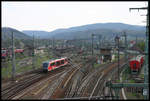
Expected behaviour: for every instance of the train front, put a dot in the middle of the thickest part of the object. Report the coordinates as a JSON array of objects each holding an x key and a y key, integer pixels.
[
  {"x": 45, "y": 66},
  {"x": 134, "y": 65}
]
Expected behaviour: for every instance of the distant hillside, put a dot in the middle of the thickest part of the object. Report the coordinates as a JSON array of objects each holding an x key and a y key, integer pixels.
[
  {"x": 116, "y": 26},
  {"x": 19, "y": 37},
  {"x": 40, "y": 34},
  {"x": 7, "y": 32},
  {"x": 105, "y": 29},
  {"x": 85, "y": 31}
]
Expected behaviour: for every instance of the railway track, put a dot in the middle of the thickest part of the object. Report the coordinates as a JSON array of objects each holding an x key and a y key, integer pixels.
[
  {"x": 12, "y": 90},
  {"x": 93, "y": 83},
  {"x": 41, "y": 89},
  {"x": 102, "y": 77},
  {"x": 70, "y": 81},
  {"x": 15, "y": 88},
  {"x": 62, "y": 88}
]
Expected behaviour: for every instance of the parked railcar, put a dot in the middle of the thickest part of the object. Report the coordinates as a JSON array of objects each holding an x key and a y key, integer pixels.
[
  {"x": 5, "y": 54},
  {"x": 19, "y": 50},
  {"x": 53, "y": 64},
  {"x": 136, "y": 63}
]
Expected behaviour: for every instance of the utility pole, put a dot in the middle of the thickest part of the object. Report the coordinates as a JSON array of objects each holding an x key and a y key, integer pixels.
[
  {"x": 126, "y": 46},
  {"x": 136, "y": 44},
  {"x": 146, "y": 89},
  {"x": 33, "y": 57},
  {"x": 49, "y": 47},
  {"x": 117, "y": 41},
  {"x": 92, "y": 44},
  {"x": 13, "y": 59},
  {"x": 118, "y": 59},
  {"x": 92, "y": 50},
  {"x": 99, "y": 37},
  {"x": 53, "y": 42},
  {"x": 99, "y": 41}
]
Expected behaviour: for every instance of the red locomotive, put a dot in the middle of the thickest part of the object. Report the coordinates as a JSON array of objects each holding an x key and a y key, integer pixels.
[
  {"x": 136, "y": 63},
  {"x": 53, "y": 64},
  {"x": 4, "y": 53}
]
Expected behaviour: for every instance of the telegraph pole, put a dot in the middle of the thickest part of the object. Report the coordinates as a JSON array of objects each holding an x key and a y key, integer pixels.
[
  {"x": 117, "y": 41},
  {"x": 99, "y": 41},
  {"x": 53, "y": 42},
  {"x": 49, "y": 48},
  {"x": 33, "y": 54},
  {"x": 92, "y": 50},
  {"x": 13, "y": 59},
  {"x": 118, "y": 59},
  {"x": 92, "y": 44},
  {"x": 126, "y": 46},
  {"x": 136, "y": 44}
]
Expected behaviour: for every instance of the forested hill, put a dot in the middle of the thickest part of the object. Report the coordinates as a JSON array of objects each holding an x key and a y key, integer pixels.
[
  {"x": 20, "y": 38},
  {"x": 7, "y": 34},
  {"x": 85, "y": 31}
]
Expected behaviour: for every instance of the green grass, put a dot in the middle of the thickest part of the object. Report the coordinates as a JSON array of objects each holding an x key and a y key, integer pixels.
[
  {"x": 142, "y": 75},
  {"x": 125, "y": 73},
  {"x": 134, "y": 96},
  {"x": 124, "y": 77},
  {"x": 131, "y": 81},
  {"x": 118, "y": 81},
  {"x": 130, "y": 95},
  {"x": 96, "y": 65},
  {"x": 7, "y": 70},
  {"x": 24, "y": 69}
]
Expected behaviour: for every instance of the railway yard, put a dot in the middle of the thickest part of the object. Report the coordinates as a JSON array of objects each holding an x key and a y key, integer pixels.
[
  {"x": 81, "y": 78},
  {"x": 75, "y": 51}
]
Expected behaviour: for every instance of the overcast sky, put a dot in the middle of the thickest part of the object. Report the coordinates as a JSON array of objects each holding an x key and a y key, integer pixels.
[{"x": 49, "y": 16}]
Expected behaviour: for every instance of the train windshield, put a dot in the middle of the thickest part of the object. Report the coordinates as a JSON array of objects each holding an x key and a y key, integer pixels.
[
  {"x": 135, "y": 65},
  {"x": 45, "y": 65},
  {"x": 3, "y": 51}
]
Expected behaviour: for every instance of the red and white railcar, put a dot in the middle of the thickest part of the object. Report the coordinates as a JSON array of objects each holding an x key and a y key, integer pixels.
[
  {"x": 19, "y": 50},
  {"x": 136, "y": 63},
  {"x": 53, "y": 64}
]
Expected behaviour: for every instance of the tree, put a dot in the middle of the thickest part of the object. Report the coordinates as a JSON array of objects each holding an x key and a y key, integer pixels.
[{"x": 141, "y": 45}]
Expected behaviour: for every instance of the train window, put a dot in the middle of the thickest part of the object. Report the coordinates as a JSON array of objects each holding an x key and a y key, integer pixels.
[
  {"x": 57, "y": 63},
  {"x": 3, "y": 51},
  {"x": 62, "y": 61},
  {"x": 52, "y": 64}
]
